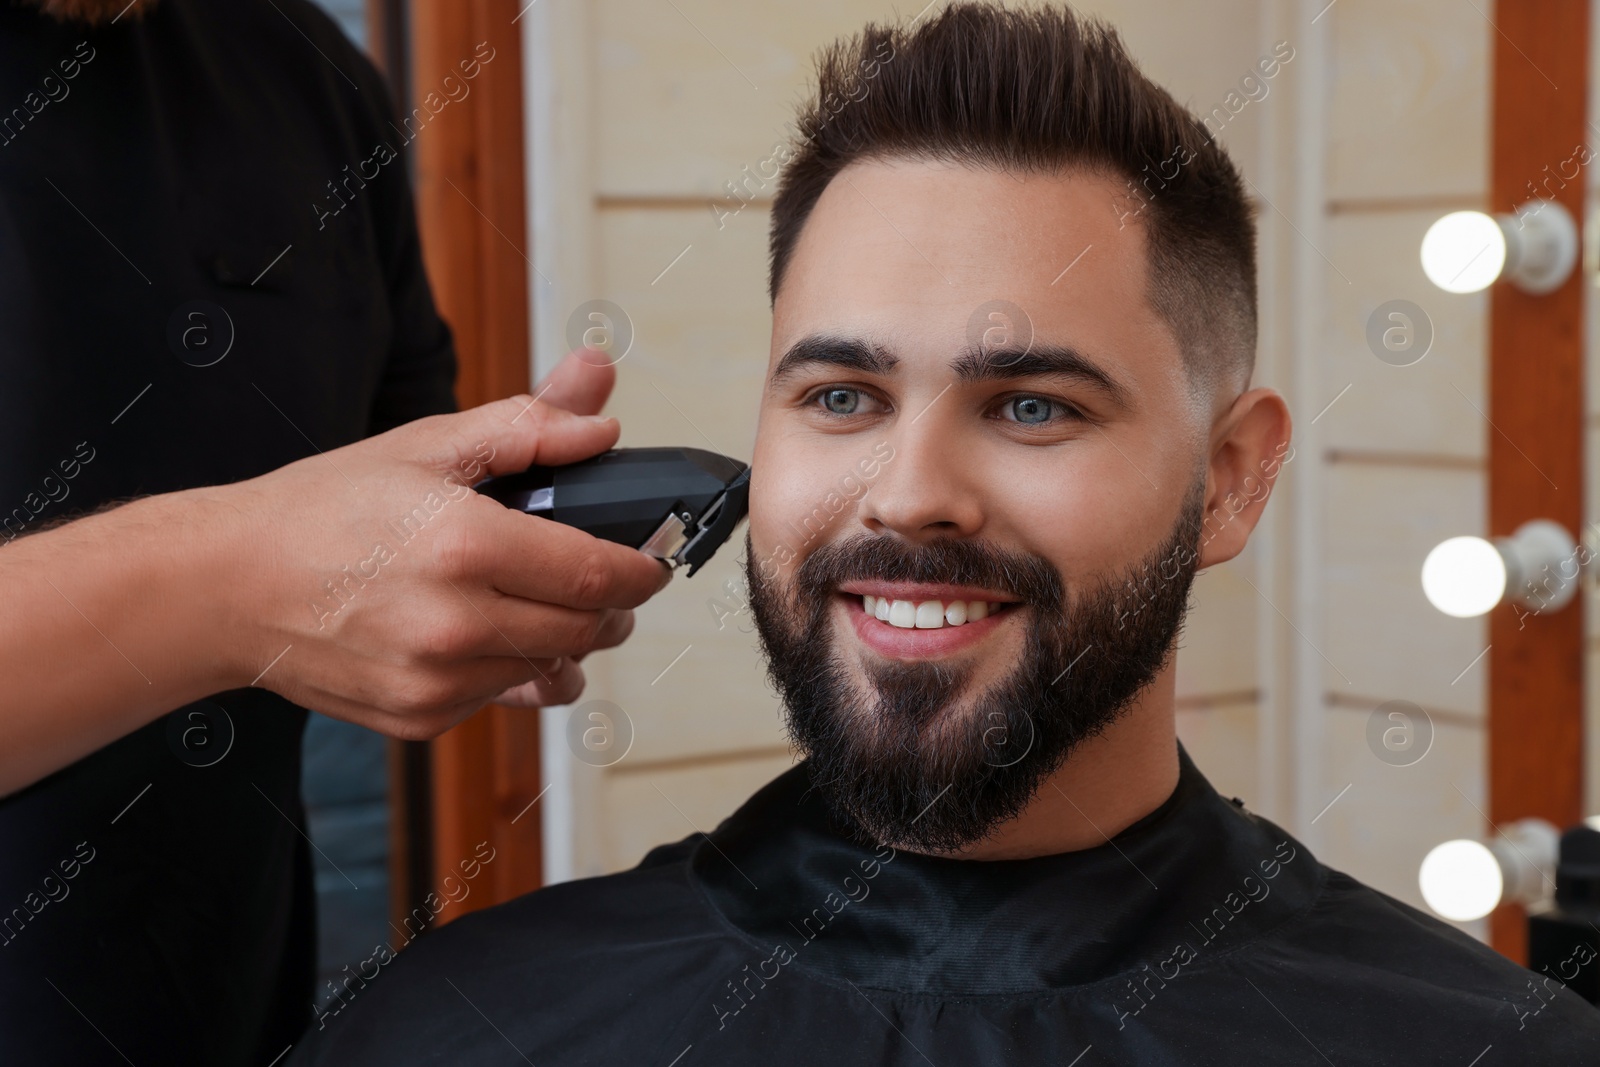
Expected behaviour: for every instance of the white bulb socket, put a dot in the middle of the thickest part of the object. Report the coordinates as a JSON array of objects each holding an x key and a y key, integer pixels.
[
  {"x": 1464, "y": 880},
  {"x": 1534, "y": 248},
  {"x": 1537, "y": 567}
]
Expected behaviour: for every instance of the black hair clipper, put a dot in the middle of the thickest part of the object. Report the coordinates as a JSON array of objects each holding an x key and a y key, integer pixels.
[{"x": 676, "y": 504}]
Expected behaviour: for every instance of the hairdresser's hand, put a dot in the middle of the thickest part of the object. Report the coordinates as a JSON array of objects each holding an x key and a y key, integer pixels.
[
  {"x": 581, "y": 384},
  {"x": 402, "y": 600}
]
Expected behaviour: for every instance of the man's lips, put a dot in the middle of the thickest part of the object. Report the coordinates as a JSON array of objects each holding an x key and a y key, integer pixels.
[{"x": 897, "y": 642}]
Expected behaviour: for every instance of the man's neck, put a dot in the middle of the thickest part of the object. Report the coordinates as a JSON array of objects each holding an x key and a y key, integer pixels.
[{"x": 1108, "y": 783}]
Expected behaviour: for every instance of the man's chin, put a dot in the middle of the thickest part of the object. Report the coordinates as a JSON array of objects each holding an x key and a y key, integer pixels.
[
  {"x": 907, "y": 810},
  {"x": 926, "y": 763}
]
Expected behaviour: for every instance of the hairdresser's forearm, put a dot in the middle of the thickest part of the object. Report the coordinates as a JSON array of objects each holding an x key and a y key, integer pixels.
[
  {"x": 113, "y": 620},
  {"x": 405, "y": 627}
]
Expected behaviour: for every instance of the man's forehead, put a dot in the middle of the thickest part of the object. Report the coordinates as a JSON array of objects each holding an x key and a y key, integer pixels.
[
  {"x": 961, "y": 211},
  {"x": 940, "y": 257}
]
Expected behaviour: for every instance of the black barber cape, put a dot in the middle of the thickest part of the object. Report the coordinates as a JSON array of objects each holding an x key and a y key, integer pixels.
[
  {"x": 1202, "y": 934},
  {"x": 155, "y": 898}
]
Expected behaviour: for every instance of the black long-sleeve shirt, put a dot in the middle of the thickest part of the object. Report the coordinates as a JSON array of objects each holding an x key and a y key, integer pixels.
[{"x": 180, "y": 307}]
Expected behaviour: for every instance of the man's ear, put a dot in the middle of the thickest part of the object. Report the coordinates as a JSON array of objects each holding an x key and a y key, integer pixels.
[{"x": 1249, "y": 446}]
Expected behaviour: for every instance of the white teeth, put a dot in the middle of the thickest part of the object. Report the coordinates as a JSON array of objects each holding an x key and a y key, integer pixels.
[{"x": 926, "y": 614}]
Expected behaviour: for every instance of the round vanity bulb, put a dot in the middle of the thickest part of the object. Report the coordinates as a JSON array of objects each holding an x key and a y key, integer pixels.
[
  {"x": 1464, "y": 251},
  {"x": 1461, "y": 880},
  {"x": 1464, "y": 576}
]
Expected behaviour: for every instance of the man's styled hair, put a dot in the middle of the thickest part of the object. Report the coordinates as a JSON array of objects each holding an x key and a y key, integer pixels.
[{"x": 1044, "y": 91}]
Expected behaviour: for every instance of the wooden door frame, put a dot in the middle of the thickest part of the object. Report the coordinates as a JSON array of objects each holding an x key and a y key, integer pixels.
[
  {"x": 1536, "y": 409},
  {"x": 468, "y": 794}
]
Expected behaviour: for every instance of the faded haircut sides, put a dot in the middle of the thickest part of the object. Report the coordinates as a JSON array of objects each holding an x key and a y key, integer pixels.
[{"x": 1043, "y": 91}]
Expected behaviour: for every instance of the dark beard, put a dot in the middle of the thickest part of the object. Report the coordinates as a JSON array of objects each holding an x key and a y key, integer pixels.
[
  {"x": 92, "y": 12},
  {"x": 913, "y": 768}
]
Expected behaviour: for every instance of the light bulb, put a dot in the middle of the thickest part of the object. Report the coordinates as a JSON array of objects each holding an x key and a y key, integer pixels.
[
  {"x": 1461, "y": 880},
  {"x": 1464, "y": 251},
  {"x": 1464, "y": 576}
]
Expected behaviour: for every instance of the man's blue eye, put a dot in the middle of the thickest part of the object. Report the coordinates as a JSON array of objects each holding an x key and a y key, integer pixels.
[
  {"x": 1032, "y": 409},
  {"x": 841, "y": 401}
]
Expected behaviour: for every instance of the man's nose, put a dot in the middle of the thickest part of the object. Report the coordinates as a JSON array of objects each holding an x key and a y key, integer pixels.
[{"x": 933, "y": 487}]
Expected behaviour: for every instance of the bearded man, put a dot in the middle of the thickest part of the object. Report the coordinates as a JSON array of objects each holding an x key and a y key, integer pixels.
[{"x": 1013, "y": 289}]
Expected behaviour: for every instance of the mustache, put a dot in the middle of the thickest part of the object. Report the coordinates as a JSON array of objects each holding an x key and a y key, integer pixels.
[{"x": 957, "y": 561}]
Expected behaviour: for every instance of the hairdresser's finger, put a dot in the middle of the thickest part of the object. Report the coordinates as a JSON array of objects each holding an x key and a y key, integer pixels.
[
  {"x": 546, "y": 561},
  {"x": 581, "y": 383},
  {"x": 562, "y": 685}
]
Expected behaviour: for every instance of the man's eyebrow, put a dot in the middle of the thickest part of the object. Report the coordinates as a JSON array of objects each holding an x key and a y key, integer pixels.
[
  {"x": 849, "y": 352},
  {"x": 979, "y": 364}
]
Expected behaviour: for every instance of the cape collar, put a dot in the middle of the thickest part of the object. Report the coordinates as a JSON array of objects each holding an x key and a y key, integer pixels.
[{"x": 1198, "y": 871}]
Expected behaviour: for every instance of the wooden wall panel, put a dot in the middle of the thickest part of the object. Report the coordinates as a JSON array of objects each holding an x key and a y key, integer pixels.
[{"x": 1535, "y": 404}]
